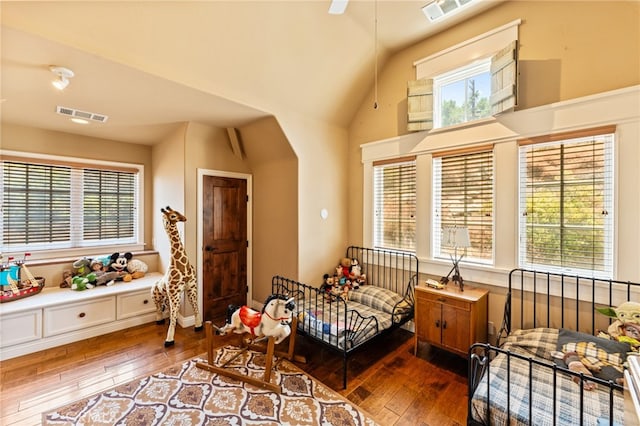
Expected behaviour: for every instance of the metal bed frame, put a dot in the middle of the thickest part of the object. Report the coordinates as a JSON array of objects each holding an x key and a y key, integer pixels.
[
  {"x": 530, "y": 303},
  {"x": 393, "y": 270}
]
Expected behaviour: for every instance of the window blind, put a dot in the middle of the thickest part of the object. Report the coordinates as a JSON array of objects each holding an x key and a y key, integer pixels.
[
  {"x": 49, "y": 205},
  {"x": 395, "y": 204},
  {"x": 36, "y": 204},
  {"x": 463, "y": 196},
  {"x": 566, "y": 205},
  {"x": 109, "y": 204}
]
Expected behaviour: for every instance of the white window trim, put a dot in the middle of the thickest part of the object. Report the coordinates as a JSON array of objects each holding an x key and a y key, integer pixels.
[
  {"x": 610, "y": 222},
  {"x": 87, "y": 250},
  {"x": 479, "y": 47}
]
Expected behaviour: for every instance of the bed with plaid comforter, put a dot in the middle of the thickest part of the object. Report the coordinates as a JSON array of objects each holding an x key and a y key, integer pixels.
[{"x": 523, "y": 385}]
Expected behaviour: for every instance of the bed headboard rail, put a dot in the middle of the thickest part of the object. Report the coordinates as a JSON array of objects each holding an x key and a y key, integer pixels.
[
  {"x": 554, "y": 300},
  {"x": 393, "y": 270}
]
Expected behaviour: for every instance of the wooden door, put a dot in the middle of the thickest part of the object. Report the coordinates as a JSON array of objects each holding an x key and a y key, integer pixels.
[{"x": 224, "y": 248}]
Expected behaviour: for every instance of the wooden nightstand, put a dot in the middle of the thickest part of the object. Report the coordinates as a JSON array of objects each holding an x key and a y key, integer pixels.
[{"x": 451, "y": 319}]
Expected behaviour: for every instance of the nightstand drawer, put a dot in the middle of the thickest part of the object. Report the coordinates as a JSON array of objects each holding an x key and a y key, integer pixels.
[
  {"x": 78, "y": 316},
  {"x": 441, "y": 298}
]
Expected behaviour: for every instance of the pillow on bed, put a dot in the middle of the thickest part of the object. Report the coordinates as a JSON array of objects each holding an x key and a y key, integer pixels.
[
  {"x": 615, "y": 352},
  {"x": 378, "y": 298}
]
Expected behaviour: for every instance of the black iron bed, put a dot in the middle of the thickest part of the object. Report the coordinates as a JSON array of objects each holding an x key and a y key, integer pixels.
[
  {"x": 383, "y": 304},
  {"x": 520, "y": 381}
]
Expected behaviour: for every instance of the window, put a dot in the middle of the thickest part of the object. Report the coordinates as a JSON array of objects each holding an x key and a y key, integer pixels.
[
  {"x": 394, "y": 202},
  {"x": 462, "y": 95},
  {"x": 486, "y": 84},
  {"x": 50, "y": 204},
  {"x": 566, "y": 203},
  {"x": 463, "y": 196}
]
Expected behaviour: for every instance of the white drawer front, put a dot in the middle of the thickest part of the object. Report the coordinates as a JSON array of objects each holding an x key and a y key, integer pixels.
[
  {"x": 134, "y": 304},
  {"x": 77, "y": 316},
  {"x": 20, "y": 328}
]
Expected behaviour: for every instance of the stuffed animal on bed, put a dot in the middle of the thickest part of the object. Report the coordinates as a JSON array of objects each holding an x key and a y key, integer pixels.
[
  {"x": 590, "y": 359},
  {"x": 626, "y": 327},
  {"x": 355, "y": 274}
]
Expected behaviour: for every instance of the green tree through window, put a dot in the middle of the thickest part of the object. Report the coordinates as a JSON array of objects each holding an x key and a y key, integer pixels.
[{"x": 566, "y": 198}]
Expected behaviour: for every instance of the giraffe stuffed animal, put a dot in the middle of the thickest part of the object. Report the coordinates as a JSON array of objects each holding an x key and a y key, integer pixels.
[{"x": 180, "y": 276}]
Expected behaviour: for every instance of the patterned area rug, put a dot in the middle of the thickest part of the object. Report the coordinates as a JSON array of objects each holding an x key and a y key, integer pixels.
[{"x": 187, "y": 395}]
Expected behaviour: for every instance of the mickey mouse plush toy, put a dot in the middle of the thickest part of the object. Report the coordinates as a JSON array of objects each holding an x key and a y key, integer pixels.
[{"x": 118, "y": 263}]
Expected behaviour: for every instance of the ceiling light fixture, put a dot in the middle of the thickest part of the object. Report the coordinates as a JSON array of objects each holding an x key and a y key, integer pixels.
[
  {"x": 80, "y": 121},
  {"x": 64, "y": 74},
  {"x": 437, "y": 9}
]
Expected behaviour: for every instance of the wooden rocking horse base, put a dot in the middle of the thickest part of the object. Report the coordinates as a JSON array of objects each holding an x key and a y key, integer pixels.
[{"x": 268, "y": 349}]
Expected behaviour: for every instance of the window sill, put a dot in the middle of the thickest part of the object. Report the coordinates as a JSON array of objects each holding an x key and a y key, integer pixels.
[
  {"x": 69, "y": 260},
  {"x": 467, "y": 125}
]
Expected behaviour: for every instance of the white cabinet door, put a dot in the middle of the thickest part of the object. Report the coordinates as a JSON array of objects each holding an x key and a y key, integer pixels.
[
  {"x": 134, "y": 304},
  {"x": 20, "y": 327},
  {"x": 78, "y": 316}
]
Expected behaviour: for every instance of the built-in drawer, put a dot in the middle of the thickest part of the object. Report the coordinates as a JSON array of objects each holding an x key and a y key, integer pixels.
[
  {"x": 20, "y": 327},
  {"x": 134, "y": 304},
  {"x": 78, "y": 316}
]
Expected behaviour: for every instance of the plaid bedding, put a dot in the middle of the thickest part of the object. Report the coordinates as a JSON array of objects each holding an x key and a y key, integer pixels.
[
  {"x": 516, "y": 382},
  {"x": 328, "y": 322}
]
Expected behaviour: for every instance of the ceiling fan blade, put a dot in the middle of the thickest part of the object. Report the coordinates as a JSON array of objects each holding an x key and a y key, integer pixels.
[{"x": 338, "y": 7}]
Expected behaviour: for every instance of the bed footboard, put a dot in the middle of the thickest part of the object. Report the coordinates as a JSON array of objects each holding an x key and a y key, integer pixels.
[{"x": 510, "y": 388}]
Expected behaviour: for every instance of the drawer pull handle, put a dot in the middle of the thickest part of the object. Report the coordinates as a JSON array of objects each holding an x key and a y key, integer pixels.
[
  {"x": 438, "y": 323},
  {"x": 444, "y": 325},
  {"x": 82, "y": 315},
  {"x": 145, "y": 301},
  {"x": 441, "y": 299}
]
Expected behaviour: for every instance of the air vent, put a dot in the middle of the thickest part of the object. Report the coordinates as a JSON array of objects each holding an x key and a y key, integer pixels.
[{"x": 74, "y": 113}]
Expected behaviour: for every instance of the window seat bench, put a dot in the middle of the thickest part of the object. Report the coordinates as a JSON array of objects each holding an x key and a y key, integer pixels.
[{"x": 57, "y": 316}]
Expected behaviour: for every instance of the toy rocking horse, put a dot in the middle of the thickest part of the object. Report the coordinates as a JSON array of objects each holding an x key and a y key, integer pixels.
[{"x": 275, "y": 323}]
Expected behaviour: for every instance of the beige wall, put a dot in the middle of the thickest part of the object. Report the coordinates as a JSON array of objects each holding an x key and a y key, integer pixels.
[
  {"x": 274, "y": 168},
  {"x": 323, "y": 172},
  {"x": 168, "y": 189}
]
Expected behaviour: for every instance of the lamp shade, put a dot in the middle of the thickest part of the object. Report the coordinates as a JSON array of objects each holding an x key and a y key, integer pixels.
[{"x": 456, "y": 236}]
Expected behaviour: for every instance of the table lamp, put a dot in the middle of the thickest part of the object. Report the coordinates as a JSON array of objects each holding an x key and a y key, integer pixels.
[{"x": 456, "y": 237}]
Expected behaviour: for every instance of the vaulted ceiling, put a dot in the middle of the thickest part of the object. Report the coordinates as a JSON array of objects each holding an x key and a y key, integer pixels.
[{"x": 150, "y": 65}]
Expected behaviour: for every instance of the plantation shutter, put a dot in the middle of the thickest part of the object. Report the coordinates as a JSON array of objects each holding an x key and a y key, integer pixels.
[
  {"x": 504, "y": 79},
  {"x": 566, "y": 202},
  {"x": 463, "y": 196},
  {"x": 395, "y": 204},
  {"x": 420, "y": 105},
  {"x": 36, "y": 204}
]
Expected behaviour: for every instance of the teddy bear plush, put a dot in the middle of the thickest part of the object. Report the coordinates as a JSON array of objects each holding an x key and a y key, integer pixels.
[{"x": 137, "y": 268}]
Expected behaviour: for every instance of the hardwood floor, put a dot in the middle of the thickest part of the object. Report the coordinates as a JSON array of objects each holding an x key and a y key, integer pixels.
[{"x": 385, "y": 379}]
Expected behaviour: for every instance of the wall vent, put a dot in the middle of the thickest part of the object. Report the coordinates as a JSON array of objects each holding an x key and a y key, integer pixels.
[{"x": 74, "y": 113}]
